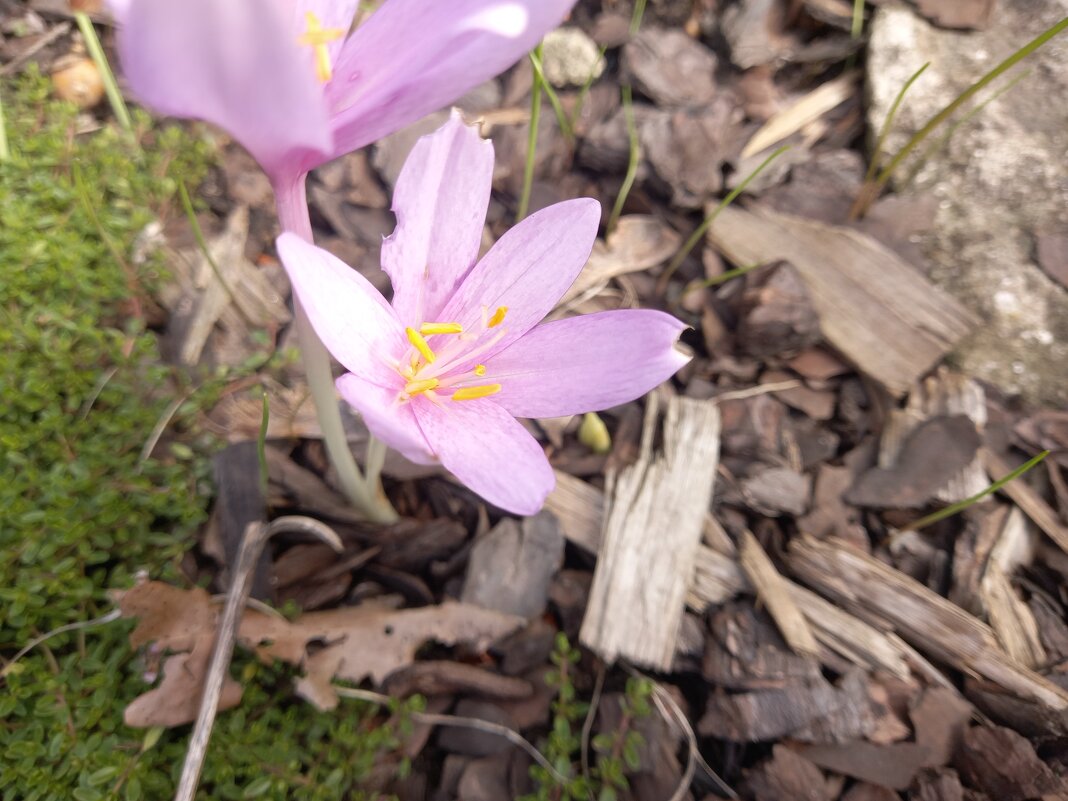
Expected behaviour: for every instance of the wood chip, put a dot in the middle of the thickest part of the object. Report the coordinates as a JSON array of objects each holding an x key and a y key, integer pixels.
[
  {"x": 652, "y": 532},
  {"x": 867, "y": 587},
  {"x": 1027, "y": 499},
  {"x": 1004, "y": 765},
  {"x": 968, "y": 14},
  {"x": 239, "y": 295},
  {"x": 945, "y": 393},
  {"x": 1009, "y": 616},
  {"x": 787, "y": 775},
  {"x": 579, "y": 507},
  {"x": 772, "y": 591},
  {"x": 935, "y": 453},
  {"x": 891, "y": 766},
  {"x": 940, "y": 717},
  {"x": 875, "y": 308},
  {"x": 670, "y": 67},
  {"x": 638, "y": 243},
  {"x": 811, "y": 712},
  {"x": 805, "y": 111}
]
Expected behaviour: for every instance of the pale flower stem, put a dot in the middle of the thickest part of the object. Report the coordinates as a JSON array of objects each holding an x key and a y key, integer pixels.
[
  {"x": 376, "y": 458},
  {"x": 293, "y": 215}
]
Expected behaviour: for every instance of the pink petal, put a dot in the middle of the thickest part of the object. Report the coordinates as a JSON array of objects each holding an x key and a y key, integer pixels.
[
  {"x": 350, "y": 316},
  {"x": 416, "y": 56},
  {"x": 440, "y": 202},
  {"x": 236, "y": 64},
  {"x": 586, "y": 363},
  {"x": 393, "y": 423},
  {"x": 331, "y": 14},
  {"x": 527, "y": 270},
  {"x": 489, "y": 451}
]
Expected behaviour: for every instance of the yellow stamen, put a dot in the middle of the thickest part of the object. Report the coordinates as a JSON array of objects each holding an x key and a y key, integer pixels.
[
  {"x": 415, "y": 387},
  {"x": 471, "y": 393},
  {"x": 498, "y": 317},
  {"x": 318, "y": 38},
  {"x": 480, "y": 369},
  {"x": 430, "y": 329},
  {"x": 420, "y": 345}
]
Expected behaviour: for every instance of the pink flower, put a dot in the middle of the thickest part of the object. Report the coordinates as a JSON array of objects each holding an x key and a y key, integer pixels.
[
  {"x": 443, "y": 372},
  {"x": 285, "y": 79}
]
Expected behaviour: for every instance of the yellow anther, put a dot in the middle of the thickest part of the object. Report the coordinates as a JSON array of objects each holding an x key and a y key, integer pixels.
[
  {"x": 480, "y": 369},
  {"x": 415, "y": 387},
  {"x": 470, "y": 393},
  {"x": 430, "y": 329},
  {"x": 498, "y": 317},
  {"x": 318, "y": 37},
  {"x": 420, "y": 345}
]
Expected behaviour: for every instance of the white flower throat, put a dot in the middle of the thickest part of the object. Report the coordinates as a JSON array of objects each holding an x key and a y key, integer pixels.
[{"x": 428, "y": 373}]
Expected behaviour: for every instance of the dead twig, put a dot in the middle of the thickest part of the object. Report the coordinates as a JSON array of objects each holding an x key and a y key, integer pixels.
[
  {"x": 434, "y": 719},
  {"x": 255, "y": 538},
  {"x": 16, "y": 63}
]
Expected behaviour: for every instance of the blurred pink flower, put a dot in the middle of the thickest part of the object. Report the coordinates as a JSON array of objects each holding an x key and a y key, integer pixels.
[
  {"x": 443, "y": 372},
  {"x": 285, "y": 78}
]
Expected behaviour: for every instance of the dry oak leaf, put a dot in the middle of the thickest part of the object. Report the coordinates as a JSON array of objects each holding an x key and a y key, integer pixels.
[
  {"x": 173, "y": 618},
  {"x": 176, "y": 700},
  {"x": 375, "y": 642},
  {"x": 359, "y": 642}
]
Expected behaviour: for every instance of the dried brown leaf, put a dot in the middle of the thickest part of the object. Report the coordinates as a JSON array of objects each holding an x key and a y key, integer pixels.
[{"x": 176, "y": 700}]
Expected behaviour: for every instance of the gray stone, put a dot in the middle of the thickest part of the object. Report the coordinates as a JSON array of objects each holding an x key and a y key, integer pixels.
[
  {"x": 570, "y": 58},
  {"x": 1001, "y": 178},
  {"x": 511, "y": 567}
]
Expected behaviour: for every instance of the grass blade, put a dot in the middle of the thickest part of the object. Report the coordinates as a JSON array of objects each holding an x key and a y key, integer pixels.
[
  {"x": 952, "y": 129},
  {"x": 876, "y": 154},
  {"x": 5, "y": 153},
  {"x": 636, "y": 17},
  {"x": 96, "y": 53},
  {"x": 585, "y": 90},
  {"x": 532, "y": 141},
  {"x": 952, "y": 509},
  {"x": 858, "y": 19},
  {"x": 632, "y": 163},
  {"x": 722, "y": 278},
  {"x": 558, "y": 108},
  {"x": 702, "y": 229},
  {"x": 872, "y": 191}
]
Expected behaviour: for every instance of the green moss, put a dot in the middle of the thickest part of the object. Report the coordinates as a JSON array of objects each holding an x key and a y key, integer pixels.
[{"x": 80, "y": 513}]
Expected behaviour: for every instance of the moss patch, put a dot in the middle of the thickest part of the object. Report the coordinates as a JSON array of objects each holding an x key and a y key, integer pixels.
[{"x": 81, "y": 511}]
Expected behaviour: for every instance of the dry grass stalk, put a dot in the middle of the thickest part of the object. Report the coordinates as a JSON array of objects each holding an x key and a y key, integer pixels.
[{"x": 804, "y": 112}]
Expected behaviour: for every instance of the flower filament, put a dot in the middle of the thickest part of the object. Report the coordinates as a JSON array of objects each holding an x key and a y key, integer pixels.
[
  {"x": 317, "y": 37},
  {"x": 426, "y": 372}
]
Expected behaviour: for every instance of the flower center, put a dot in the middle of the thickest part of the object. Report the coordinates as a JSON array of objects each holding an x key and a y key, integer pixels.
[
  {"x": 317, "y": 37},
  {"x": 434, "y": 374}
]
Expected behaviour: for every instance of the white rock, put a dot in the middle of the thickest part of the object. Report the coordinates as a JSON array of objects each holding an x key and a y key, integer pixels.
[
  {"x": 1001, "y": 178},
  {"x": 570, "y": 58}
]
